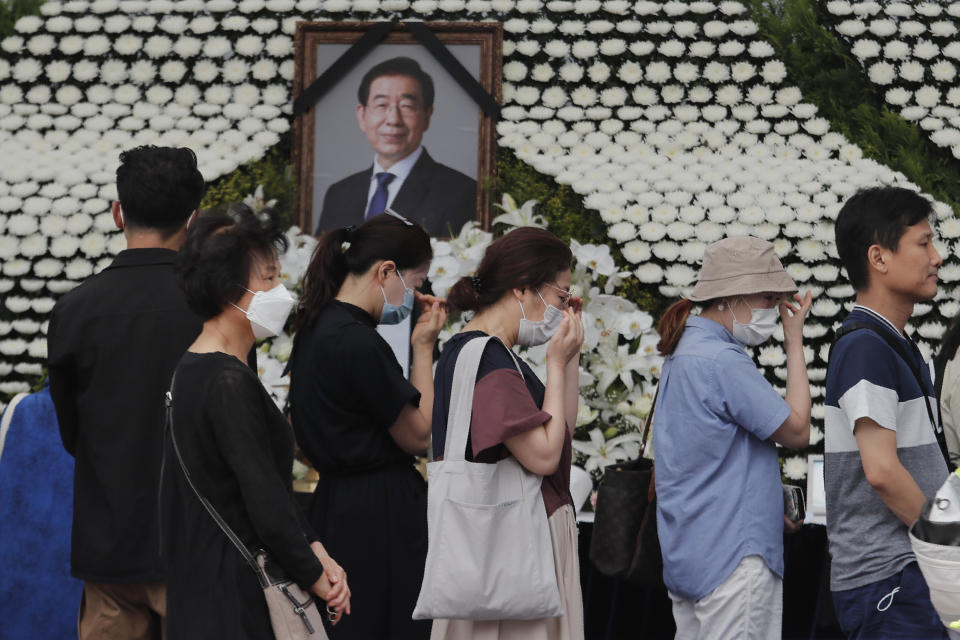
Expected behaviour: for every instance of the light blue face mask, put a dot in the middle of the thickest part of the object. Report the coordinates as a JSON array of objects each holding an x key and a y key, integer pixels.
[{"x": 392, "y": 314}]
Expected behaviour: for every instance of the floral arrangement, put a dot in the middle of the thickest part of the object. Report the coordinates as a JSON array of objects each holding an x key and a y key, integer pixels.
[
  {"x": 619, "y": 362},
  {"x": 674, "y": 121},
  {"x": 910, "y": 50}
]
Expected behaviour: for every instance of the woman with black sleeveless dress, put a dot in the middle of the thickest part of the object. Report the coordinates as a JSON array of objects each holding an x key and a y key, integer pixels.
[
  {"x": 359, "y": 420},
  {"x": 235, "y": 444}
]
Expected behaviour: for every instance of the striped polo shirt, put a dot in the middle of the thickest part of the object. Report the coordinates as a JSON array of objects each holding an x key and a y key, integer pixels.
[{"x": 866, "y": 378}]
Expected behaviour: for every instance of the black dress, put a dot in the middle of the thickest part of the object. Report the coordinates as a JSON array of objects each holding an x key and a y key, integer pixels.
[
  {"x": 370, "y": 506},
  {"x": 239, "y": 451}
]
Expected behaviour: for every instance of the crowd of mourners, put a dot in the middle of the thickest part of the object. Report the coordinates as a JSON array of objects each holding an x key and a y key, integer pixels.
[{"x": 173, "y": 323}]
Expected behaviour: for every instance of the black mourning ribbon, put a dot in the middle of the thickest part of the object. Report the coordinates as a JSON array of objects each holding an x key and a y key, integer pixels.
[{"x": 336, "y": 71}]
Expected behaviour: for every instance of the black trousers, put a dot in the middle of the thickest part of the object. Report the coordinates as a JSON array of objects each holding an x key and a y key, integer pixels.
[{"x": 375, "y": 526}]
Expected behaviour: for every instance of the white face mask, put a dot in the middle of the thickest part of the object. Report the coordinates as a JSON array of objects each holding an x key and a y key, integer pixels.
[
  {"x": 532, "y": 333},
  {"x": 268, "y": 311},
  {"x": 763, "y": 322}
]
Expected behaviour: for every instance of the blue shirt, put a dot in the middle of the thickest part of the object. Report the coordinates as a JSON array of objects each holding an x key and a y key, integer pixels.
[{"x": 719, "y": 497}]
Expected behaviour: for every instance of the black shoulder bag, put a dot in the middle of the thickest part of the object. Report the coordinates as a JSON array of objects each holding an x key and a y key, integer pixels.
[{"x": 625, "y": 543}]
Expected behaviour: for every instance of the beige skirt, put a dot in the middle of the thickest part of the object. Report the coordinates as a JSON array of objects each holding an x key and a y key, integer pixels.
[{"x": 569, "y": 626}]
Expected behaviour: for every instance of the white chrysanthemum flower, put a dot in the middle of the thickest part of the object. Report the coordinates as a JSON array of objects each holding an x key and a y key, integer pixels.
[
  {"x": 731, "y": 48},
  {"x": 78, "y": 269},
  {"x": 27, "y": 70},
  {"x": 680, "y": 275},
  {"x": 729, "y": 95},
  {"x": 943, "y": 71},
  {"x": 927, "y": 96},
  {"x": 894, "y": 50},
  {"x": 216, "y": 47},
  {"x": 41, "y": 45},
  {"x": 187, "y": 47},
  {"x": 925, "y": 50},
  {"x": 701, "y": 49},
  {"x": 64, "y": 246},
  {"x": 158, "y": 46},
  {"x": 716, "y": 72},
  {"x": 882, "y": 73},
  {"x": 795, "y": 468},
  {"x": 249, "y": 46},
  {"x": 16, "y": 268},
  {"x": 584, "y": 49},
  {"x": 263, "y": 70},
  {"x": 912, "y": 71},
  {"x": 667, "y": 251},
  {"x": 528, "y": 47},
  {"x": 636, "y": 251},
  {"x": 864, "y": 49},
  {"x": 172, "y": 71},
  {"x": 93, "y": 245},
  {"x": 614, "y": 47},
  {"x": 622, "y": 231}
]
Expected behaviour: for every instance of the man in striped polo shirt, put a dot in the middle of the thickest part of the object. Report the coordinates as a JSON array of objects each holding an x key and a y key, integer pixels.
[{"x": 882, "y": 458}]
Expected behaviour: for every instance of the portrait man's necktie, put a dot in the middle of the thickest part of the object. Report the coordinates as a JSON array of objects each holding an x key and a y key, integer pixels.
[{"x": 379, "y": 200}]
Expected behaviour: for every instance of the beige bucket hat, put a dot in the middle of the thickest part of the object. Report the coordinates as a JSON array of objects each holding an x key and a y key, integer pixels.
[{"x": 740, "y": 266}]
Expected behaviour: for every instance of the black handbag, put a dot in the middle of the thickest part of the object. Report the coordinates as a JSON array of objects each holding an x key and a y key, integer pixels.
[{"x": 625, "y": 542}]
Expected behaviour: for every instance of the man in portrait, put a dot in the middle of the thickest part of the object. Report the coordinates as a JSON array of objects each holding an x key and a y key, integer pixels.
[{"x": 394, "y": 110}]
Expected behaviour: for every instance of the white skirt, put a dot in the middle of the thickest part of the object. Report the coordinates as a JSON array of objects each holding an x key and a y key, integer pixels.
[{"x": 569, "y": 626}]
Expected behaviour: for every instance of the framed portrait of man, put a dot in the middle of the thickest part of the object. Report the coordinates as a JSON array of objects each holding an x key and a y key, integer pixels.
[{"x": 397, "y": 130}]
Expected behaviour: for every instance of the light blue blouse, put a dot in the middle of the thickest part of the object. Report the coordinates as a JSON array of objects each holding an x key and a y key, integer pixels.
[{"x": 719, "y": 496}]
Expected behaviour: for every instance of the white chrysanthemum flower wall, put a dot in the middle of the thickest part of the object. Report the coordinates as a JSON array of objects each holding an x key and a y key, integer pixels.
[
  {"x": 911, "y": 52},
  {"x": 674, "y": 120}
]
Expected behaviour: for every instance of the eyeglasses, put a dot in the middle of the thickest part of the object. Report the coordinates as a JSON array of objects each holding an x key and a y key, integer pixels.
[{"x": 564, "y": 294}]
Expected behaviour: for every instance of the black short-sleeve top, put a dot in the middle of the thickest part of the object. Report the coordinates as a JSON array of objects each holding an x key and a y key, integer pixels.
[
  {"x": 504, "y": 405},
  {"x": 346, "y": 390}
]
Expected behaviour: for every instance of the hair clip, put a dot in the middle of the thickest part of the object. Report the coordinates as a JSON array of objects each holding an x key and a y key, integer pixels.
[
  {"x": 475, "y": 282},
  {"x": 391, "y": 212}
]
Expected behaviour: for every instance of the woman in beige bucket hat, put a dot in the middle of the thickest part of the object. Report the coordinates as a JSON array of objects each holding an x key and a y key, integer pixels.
[{"x": 719, "y": 499}]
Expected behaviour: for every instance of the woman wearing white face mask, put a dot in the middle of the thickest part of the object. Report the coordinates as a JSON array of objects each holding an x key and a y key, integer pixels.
[
  {"x": 521, "y": 296},
  {"x": 719, "y": 499},
  {"x": 360, "y": 421},
  {"x": 235, "y": 444}
]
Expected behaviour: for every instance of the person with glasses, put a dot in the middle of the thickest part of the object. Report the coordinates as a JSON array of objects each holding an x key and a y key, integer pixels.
[
  {"x": 361, "y": 422},
  {"x": 395, "y": 104},
  {"x": 521, "y": 295}
]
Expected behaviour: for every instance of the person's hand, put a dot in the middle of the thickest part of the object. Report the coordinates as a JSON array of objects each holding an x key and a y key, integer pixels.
[
  {"x": 793, "y": 314},
  {"x": 332, "y": 587},
  {"x": 575, "y": 304},
  {"x": 791, "y": 526},
  {"x": 432, "y": 318},
  {"x": 566, "y": 342}
]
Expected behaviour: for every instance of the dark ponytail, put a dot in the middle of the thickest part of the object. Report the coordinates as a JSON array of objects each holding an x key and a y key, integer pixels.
[
  {"x": 354, "y": 250},
  {"x": 524, "y": 257},
  {"x": 671, "y": 325}
]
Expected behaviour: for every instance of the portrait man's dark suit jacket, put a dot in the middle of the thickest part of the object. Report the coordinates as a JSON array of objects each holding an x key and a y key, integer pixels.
[{"x": 438, "y": 197}]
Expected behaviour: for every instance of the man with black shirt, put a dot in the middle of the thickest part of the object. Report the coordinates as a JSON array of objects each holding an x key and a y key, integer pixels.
[{"x": 113, "y": 344}]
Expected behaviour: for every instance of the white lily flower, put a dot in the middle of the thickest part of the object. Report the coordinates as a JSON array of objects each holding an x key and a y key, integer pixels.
[{"x": 601, "y": 452}]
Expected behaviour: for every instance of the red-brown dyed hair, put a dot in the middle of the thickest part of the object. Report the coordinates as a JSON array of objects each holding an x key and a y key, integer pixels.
[{"x": 671, "y": 325}]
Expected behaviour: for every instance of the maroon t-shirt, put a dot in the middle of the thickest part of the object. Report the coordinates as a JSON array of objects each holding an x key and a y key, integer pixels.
[{"x": 504, "y": 405}]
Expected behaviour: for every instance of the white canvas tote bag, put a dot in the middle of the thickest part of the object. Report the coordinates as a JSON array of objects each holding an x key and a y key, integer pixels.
[{"x": 490, "y": 555}]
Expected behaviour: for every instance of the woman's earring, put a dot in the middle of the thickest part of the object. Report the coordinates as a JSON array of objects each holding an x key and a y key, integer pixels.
[{"x": 720, "y": 307}]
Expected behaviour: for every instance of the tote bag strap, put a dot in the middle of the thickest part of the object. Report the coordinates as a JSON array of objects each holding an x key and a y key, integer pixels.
[
  {"x": 461, "y": 395},
  {"x": 231, "y": 535}
]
